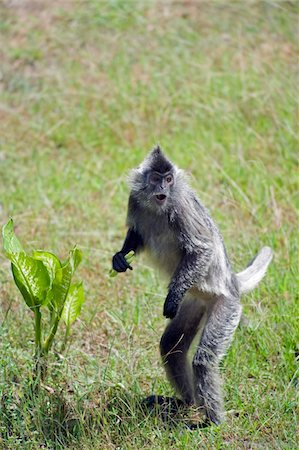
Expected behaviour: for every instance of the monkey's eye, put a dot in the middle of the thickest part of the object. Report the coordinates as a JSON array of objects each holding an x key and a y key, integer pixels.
[
  {"x": 169, "y": 179},
  {"x": 154, "y": 179}
]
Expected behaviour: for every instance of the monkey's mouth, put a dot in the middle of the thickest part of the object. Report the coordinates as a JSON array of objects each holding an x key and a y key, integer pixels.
[{"x": 160, "y": 198}]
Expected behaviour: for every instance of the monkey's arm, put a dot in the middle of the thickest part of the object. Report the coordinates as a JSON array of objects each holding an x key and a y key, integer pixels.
[
  {"x": 133, "y": 241},
  {"x": 192, "y": 267}
]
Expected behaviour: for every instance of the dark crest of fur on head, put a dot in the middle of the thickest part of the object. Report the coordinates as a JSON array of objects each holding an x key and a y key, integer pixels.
[{"x": 158, "y": 162}]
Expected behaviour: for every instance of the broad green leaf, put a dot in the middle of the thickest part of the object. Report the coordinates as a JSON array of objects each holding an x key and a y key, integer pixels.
[
  {"x": 32, "y": 279},
  {"x": 30, "y": 275},
  {"x": 62, "y": 280},
  {"x": 11, "y": 243},
  {"x": 75, "y": 258},
  {"x": 60, "y": 286},
  {"x": 59, "y": 293},
  {"x": 50, "y": 261},
  {"x": 73, "y": 304},
  {"x": 52, "y": 264}
]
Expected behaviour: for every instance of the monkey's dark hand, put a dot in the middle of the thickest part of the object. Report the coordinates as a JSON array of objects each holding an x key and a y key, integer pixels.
[
  {"x": 119, "y": 262},
  {"x": 171, "y": 305}
]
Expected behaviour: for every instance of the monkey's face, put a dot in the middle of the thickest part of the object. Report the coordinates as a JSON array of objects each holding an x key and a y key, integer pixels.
[{"x": 159, "y": 186}]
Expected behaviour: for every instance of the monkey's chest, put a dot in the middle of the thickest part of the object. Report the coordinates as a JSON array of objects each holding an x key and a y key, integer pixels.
[{"x": 163, "y": 248}]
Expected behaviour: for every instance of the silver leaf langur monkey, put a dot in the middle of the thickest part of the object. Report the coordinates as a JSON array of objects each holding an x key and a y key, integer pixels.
[{"x": 167, "y": 220}]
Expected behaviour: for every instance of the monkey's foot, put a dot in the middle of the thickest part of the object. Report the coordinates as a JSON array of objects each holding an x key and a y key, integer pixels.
[
  {"x": 173, "y": 411},
  {"x": 167, "y": 407},
  {"x": 195, "y": 419}
]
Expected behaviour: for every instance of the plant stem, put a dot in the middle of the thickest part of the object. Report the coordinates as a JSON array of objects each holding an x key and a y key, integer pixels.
[
  {"x": 66, "y": 337},
  {"x": 38, "y": 332},
  {"x": 49, "y": 340},
  {"x": 52, "y": 316},
  {"x": 40, "y": 367}
]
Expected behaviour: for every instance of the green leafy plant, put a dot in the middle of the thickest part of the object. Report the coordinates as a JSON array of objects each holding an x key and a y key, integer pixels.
[{"x": 45, "y": 284}]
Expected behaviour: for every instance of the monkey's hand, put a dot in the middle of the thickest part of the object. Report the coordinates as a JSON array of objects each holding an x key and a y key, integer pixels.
[
  {"x": 120, "y": 263},
  {"x": 171, "y": 305}
]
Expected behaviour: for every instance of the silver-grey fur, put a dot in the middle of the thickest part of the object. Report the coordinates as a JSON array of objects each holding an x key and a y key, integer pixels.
[{"x": 204, "y": 292}]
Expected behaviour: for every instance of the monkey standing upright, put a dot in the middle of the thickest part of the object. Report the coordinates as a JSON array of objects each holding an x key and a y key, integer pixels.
[{"x": 166, "y": 219}]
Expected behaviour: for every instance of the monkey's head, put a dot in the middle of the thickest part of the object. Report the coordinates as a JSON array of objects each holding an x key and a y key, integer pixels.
[{"x": 154, "y": 180}]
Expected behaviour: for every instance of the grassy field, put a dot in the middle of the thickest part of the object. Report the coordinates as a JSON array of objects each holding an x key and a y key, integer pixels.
[{"x": 86, "y": 89}]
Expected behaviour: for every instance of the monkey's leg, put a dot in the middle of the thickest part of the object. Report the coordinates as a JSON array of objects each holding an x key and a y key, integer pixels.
[
  {"x": 217, "y": 335},
  {"x": 174, "y": 346}
]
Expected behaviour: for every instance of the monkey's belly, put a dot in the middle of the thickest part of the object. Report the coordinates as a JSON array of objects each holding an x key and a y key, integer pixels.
[
  {"x": 165, "y": 254},
  {"x": 166, "y": 263},
  {"x": 196, "y": 292}
]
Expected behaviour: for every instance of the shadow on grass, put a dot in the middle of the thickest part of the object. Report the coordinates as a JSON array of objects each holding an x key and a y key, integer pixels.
[{"x": 60, "y": 417}]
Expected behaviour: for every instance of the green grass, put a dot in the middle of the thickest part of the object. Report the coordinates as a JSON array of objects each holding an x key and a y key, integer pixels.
[{"x": 87, "y": 88}]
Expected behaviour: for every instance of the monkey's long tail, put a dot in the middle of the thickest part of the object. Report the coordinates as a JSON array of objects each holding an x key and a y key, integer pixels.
[{"x": 255, "y": 271}]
